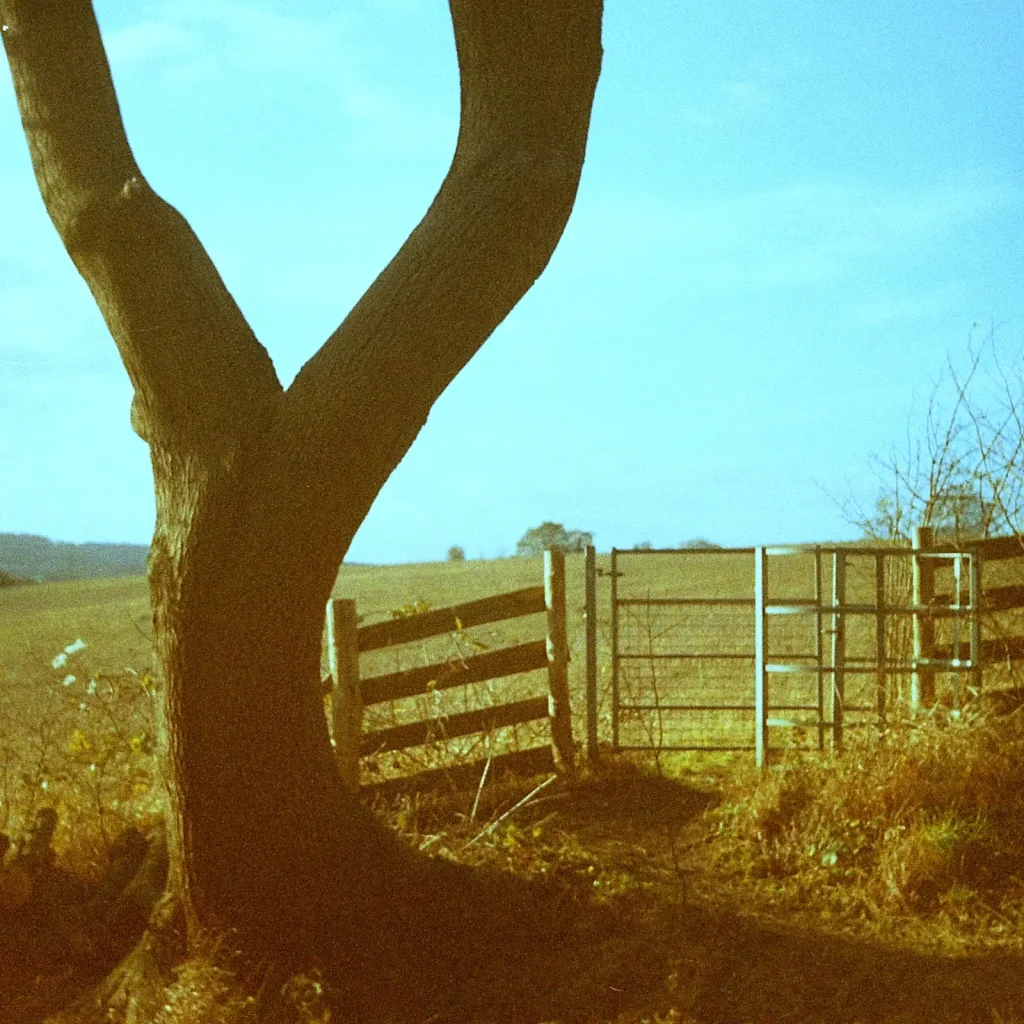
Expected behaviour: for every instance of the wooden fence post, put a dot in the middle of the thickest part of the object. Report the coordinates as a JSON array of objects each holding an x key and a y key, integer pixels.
[
  {"x": 881, "y": 649},
  {"x": 346, "y": 698},
  {"x": 591, "y": 621},
  {"x": 558, "y": 662},
  {"x": 974, "y": 590},
  {"x": 922, "y": 681}
]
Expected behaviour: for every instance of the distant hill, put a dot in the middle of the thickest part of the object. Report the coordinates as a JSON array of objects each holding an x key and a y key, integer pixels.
[{"x": 27, "y": 557}]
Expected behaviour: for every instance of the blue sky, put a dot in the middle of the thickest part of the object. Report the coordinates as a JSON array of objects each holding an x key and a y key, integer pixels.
[{"x": 790, "y": 213}]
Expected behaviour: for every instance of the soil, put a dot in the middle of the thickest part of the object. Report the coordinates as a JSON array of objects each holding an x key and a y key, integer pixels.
[{"x": 668, "y": 944}]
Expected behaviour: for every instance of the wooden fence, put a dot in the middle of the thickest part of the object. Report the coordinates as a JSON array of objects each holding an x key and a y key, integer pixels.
[
  {"x": 351, "y": 693},
  {"x": 1001, "y": 645}
]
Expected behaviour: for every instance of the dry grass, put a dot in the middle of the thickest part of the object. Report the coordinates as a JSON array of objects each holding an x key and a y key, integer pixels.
[
  {"x": 83, "y": 744},
  {"x": 883, "y": 885},
  {"x": 919, "y": 830}
]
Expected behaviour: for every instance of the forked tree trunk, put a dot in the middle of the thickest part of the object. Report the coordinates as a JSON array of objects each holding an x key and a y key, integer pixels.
[{"x": 259, "y": 490}]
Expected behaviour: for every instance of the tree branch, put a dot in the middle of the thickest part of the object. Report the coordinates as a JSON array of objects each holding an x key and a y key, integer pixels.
[
  {"x": 528, "y": 71},
  {"x": 200, "y": 376}
]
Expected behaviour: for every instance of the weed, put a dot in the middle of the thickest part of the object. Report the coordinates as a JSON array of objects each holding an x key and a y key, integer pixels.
[
  {"x": 924, "y": 823},
  {"x": 85, "y": 746}
]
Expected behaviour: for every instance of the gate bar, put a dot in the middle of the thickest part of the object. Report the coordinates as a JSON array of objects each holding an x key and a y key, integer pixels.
[
  {"x": 760, "y": 675},
  {"x": 838, "y": 691}
]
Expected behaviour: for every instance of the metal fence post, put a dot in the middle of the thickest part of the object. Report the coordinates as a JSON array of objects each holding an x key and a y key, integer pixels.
[
  {"x": 760, "y": 674},
  {"x": 837, "y": 692},
  {"x": 590, "y": 601}
]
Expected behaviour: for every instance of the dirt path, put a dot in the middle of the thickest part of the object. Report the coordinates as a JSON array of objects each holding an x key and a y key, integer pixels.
[{"x": 721, "y": 964}]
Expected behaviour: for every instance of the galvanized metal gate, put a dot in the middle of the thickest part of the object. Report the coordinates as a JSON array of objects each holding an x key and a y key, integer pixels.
[{"x": 733, "y": 649}]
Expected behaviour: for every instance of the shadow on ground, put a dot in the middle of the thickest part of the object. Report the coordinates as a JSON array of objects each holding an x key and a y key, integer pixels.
[
  {"x": 479, "y": 945},
  {"x": 739, "y": 970},
  {"x": 661, "y": 951}
]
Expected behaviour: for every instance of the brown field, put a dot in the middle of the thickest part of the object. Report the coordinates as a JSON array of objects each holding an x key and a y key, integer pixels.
[
  {"x": 111, "y": 616},
  {"x": 832, "y": 889}
]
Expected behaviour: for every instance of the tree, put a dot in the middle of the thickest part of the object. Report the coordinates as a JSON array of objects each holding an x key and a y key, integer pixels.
[
  {"x": 260, "y": 489},
  {"x": 962, "y": 470},
  {"x": 538, "y": 539},
  {"x": 700, "y": 544},
  {"x": 456, "y": 553}
]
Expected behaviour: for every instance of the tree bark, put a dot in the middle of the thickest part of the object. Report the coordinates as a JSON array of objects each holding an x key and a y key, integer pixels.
[{"x": 259, "y": 490}]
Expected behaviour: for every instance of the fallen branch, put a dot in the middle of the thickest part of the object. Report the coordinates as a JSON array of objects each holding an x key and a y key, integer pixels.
[
  {"x": 483, "y": 779},
  {"x": 526, "y": 799}
]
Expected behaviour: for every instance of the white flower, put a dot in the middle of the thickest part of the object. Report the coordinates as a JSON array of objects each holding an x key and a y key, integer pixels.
[
  {"x": 68, "y": 680},
  {"x": 91, "y": 688},
  {"x": 62, "y": 659},
  {"x": 45, "y": 784}
]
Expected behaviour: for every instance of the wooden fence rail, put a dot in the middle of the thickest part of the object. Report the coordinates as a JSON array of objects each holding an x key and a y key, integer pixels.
[
  {"x": 1009, "y": 597},
  {"x": 350, "y": 693},
  {"x": 970, "y": 600}
]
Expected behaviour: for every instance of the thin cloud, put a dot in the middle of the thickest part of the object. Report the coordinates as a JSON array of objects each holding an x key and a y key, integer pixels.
[
  {"x": 194, "y": 43},
  {"x": 746, "y": 95},
  {"x": 254, "y": 37},
  {"x": 890, "y": 310},
  {"x": 790, "y": 236},
  {"x": 219, "y": 34},
  {"x": 147, "y": 41},
  {"x": 387, "y": 125},
  {"x": 731, "y": 101}
]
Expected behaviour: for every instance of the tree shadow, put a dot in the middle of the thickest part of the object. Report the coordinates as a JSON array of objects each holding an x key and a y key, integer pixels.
[
  {"x": 628, "y": 793},
  {"x": 445, "y": 942},
  {"x": 497, "y": 948},
  {"x": 507, "y": 950},
  {"x": 469, "y": 944},
  {"x": 752, "y": 971}
]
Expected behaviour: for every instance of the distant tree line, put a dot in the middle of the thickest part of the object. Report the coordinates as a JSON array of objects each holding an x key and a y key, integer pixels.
[
  {"x": 25, "y": 556},
  {"x": 554, "y": 535},
  {"x": 696, "y": 544}
]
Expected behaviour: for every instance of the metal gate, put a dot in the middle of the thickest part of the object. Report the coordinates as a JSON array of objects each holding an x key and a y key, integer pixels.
[{"x": 733, "y": 649}]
